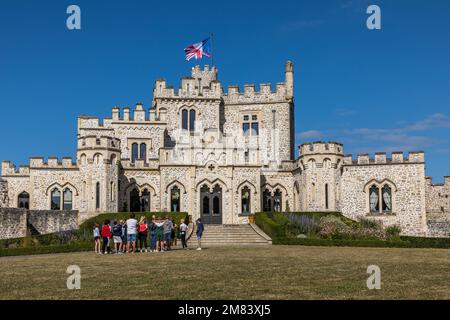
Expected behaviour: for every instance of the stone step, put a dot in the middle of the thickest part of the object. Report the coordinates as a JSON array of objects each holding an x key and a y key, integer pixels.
[{"x": 231, "y": 235}]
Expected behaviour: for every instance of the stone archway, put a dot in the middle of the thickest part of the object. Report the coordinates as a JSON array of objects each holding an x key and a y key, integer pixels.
[{"x": 211, "y": 204}]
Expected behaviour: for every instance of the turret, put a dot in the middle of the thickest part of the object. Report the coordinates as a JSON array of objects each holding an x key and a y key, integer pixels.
[
  {"x": 98, "y": 160},
  {"x": 289, "y": 79}
]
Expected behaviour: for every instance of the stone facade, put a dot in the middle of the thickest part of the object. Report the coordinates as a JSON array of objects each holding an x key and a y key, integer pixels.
[{"x": 220, "y": 155}]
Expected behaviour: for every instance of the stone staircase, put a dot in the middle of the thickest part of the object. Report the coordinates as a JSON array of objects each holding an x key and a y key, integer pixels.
[{"x": 232, "y": 235}]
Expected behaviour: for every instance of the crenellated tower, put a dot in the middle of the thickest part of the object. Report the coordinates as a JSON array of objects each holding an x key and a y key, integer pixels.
[
  {"x": 98, "y": 159},
  {"x": 320, "y": 163}
]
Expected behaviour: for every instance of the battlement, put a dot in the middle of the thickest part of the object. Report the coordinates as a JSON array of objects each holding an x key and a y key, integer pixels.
[
  {"x": 96, "y": 142},
  {"x": 190, "y": 88},
  {"x": 381, "y": 158},
  {"x": 429, "y": 182},
  {"x": 321, "y": 147},
  {"x": 9, "y": 169},
  {"x": 252, "y": 94},
  {"x": 125, "y": 115}
]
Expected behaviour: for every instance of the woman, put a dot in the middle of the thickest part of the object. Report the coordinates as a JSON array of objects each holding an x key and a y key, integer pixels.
[
  {"x": 159, "y": 234},
  {"x": 143, "y": 230},
  {"x": 152, "y": 228}
]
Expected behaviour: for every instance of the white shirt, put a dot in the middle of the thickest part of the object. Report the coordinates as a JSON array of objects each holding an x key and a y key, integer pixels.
[
  {"x": 96, "y": 232},
  {"x": 131, "y": 226},
  {"x": 183, "y": 227}
]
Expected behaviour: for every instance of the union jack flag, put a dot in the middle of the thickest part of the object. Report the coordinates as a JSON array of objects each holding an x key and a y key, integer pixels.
[{"x": 197, "y": 50}]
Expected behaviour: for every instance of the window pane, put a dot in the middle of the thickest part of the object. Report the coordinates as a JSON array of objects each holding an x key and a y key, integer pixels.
[
  {"x": 192, "y": 120},
  {"x": 387, "y": 199},
  {"x": 67, "y": 196},
  {"x": 255, "y": 128},
  {"x": 245, "y": 129},
  {"x": 246, "y": 118},
  {"x": 56, "y": 200},
  {"x": 134, "y": 152},
  {"x": 143, "y": 152},
  {"x": 184, "y": 119},
  {"x": 374, "y": 199},
  {"x": 254, "y": 117}
]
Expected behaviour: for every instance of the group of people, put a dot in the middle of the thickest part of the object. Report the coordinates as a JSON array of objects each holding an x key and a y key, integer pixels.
[{"x": 131, "y": 235}]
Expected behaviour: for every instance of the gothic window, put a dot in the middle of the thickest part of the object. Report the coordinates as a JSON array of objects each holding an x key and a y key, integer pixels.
[
  {"x": 134, "y": 152},
  {"x": 56, "y": 200},
  {"x": 97, "y": 195},
  {"x": 192, "y": 120},
  {"x": 24, "y": 200},
  {"x": 143, "y": 152},
  {"x": 374, "y": 199},
  {"x": 98, "y": 158},
  {"x": 113, "y": 159},
  {"x": 246, "y": 129},
  {"x": 175, "y": 199},
  {"x": 145, "y": 201},
  {"x": 83, "y": 159},
  {"x": 387, "y": 198},
  {"x": 326, "y": 196},
  {"x": 327, "y": 163},
  {"x": 135, "y": 201},
  {"x": 267, "y": 201},
  {"x": 245, "y": 200},
  {"x": 184, "y": 119},
  {"x": 67, "y": 199},
  {"x": 277, "y": 201},
  {"x": 311, "y": 164}
]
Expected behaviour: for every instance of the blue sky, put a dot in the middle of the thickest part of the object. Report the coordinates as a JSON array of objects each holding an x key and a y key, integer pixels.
[{"x": 384, "y": 90}]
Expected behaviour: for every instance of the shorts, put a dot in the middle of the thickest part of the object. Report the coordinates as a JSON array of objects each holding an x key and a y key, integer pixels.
[
  {"x": 117, "y": 239},
  {"x": 159, "y": 237},
  {"x": 96, "y": 238},
  {"x": 131, "y": 238},
  {"x": 167, "y": 237}
]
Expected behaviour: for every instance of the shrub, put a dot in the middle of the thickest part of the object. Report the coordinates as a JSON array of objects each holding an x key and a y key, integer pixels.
[
  {"x": 393, "y": 231},
  {"x": 332, "y": 227},
  {"x": 369, "y": 223}
]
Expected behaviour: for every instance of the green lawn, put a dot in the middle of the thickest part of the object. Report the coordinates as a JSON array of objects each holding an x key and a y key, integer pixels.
[{"x": 273, "y": 272}]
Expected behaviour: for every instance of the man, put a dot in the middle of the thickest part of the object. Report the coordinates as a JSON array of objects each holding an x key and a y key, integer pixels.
[
  {"x": 168, "y": 225},
  {"x": 131, "y": 233},
  {"x": 200, "y": 229},
  {"x": 183, "y": 230}
]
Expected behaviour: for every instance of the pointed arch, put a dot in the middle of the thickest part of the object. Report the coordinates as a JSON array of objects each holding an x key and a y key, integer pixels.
[
  {"x": 246, "y": 183},
  {"x": 61, "y": 187},
  {"x": 176, "y": 183}
]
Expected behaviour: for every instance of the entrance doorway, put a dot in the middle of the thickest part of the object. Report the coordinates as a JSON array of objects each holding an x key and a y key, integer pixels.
[{"x": 211, "y": 205}]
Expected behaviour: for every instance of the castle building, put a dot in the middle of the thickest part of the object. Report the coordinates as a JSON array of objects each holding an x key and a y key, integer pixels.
[{"x": 222, "y": 155}]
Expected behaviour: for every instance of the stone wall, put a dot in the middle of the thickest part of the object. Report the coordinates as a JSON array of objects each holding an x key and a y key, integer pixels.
[
  {"x": 13, "y": 223},
  {"x": 407, "y": 180},
  {"x": 4, "y": 198},
  {"x": 48, "y": 221},
  {"x": 438, "y": 197}
]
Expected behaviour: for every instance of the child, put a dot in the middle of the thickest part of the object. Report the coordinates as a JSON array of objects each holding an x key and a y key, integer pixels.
[
  {"x": 106, "y": 234},
  {"x": 117, "y": 236},
  {"x": 97, "y": 238},
  {"x": 143, "y": 230},
  {"x": 183, "y": 230}
]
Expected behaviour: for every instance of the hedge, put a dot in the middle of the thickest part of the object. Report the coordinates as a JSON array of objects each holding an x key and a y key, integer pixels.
[
  {"x": 266, "y": 221},
  {"x": 73, "y": 247}
]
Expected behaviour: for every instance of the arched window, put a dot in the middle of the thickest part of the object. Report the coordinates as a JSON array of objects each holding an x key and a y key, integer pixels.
[
  {"x": 387, "y": 198},
  {"x": 374, "y": 199},
  {"x": 192, "y": 120},
  {"x": 113, "y": 159},
  {"x": 98, "y": 158},
  {"x": 55, "y": 200},
  {"x": 326, "y": 195},
  {"x": 327, "y": 163},
  {"x": 143, "y": 152},
  {"x": 134, "y": 152},
  {"x": 145, "y": 201},
  {"x": 175, "y": 199},
  {"x": 67, "y": 199},
  {"x": 184, "y": 119},
  {"x": 97, "y": 195},
  {"x": 135, "y": 201},
  {"x": 277, "y": 201},
  {"x": 83, "y": 159},
  {"x": 311, "y": 164},
  {"x": 267, "y": 201},
  {"x": 245, "y": 200},
  {"x": 23, "y": 200}
]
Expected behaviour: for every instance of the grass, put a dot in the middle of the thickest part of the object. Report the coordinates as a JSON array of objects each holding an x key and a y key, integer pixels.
[{"x": 272, "y": 272}]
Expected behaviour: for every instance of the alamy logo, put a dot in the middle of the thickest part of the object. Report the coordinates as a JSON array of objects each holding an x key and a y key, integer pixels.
[
  {"x": 73, "y": 22},
  {"x": 374, "y": 20},
  {"x": 374, "y": 280},
  {"x": 74, "y": 280}
]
